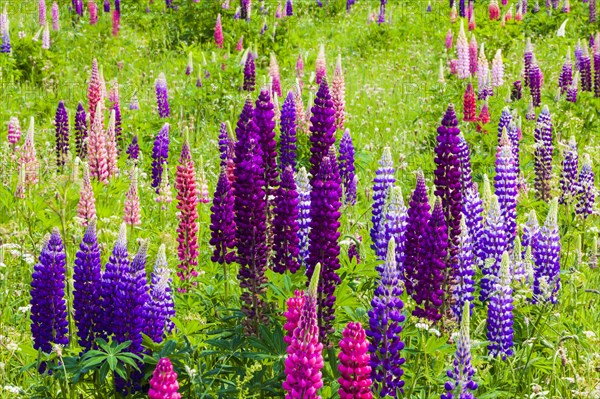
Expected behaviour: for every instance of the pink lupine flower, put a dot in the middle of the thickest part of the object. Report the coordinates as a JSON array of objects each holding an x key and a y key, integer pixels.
[
  {"x": 28, "y": 157},
  {"x": 93, "y": 10},
  {"x": 219, "y": 32},
  {"x": 301, "y": 121},
  {"x": 355, "y": 372},
  {"x": 274, "y": 74},
  {"x": 163, "y": 384},
  {"x": 86, "y": 207},
  {"x": 94, "y": 92},
  {"x": 278, "y": 11},
  {"x": 453, "y": 13},
  {"x": 338, "y": 90},
  {"x": 46, "y": 37},
  {"x": 519, "y": 14},
  {"x": 473, "y": 56},
  {"x": 164, "y": 195},
  {"x": 240, "y": 44},
  {"x": 111, "y": 146},
  {"x": 472, "y": 23},
  {"x": 97, "y": 156},
  {"x": 131, "y": 212},
  {"x": 449, "y": 38},
  {"x": 113, "y": 93},
  {"x": 462, "y": 51},
  {"x": 320, "y": 65},
  {"x": 14, "y": 131},
  {"x": 509, "y": 14},
  {"x": 292, "y": 314},
  {"x": 20, "y": 190},
  {"x": 494, "y": 10},
  {"x": 55, "y": 17},
  {"x": 300, "y": 67},
  {"x": 497, "y": 70},
  {"x": 42, "y": 12},
  {"x": 453, "y": 66},
  {"x": 116, "y": 22}
]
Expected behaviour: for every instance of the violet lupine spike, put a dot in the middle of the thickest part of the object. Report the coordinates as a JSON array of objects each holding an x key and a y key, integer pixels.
[
  {"x": 578, "y": 52},
  {"x": 449, "y": 39},
  {"x": 304, "y": 189},
  {"x": 355, "y": 372},
  {"x": 263, "y": 118},
  {"x": 395, "y": 225},
  {"x": 320, "y": 65},
  {"x": 116, "y": 108},
  {"x": 223, "y": 143},
  {"x": 249, "y": 73},
  {"x": 535, "y": 83},
  {"x": 572, "y": 89},
  {"x": 81, "y": 132},
  {"x": 162, "y": 96},
  {"x": 222, "y": 221},
  {"x": 516, "y": 92},
  {"x": 324, "y": 249},
  {"x": 383, "y": 182},
  {"x": 385, "y": 327},
  {"x": 586, "y": 189},
  {"x": 250, "y": 219},
  {"x": 61, "y": 122},
  {"x": 287, "y": 140},
  {"x": 596, "y": 72},
  {"x": 527, "y": 59},
  {"x": 55, "y": 17},
  {"x": 473, "y": 215},
  {"x": 566, "y": 75},
  {"x": 462, "y": 52},
  {"x": 106, "y": 5},
  {"x": 493, "y": 245},
  {"x": 514, "y": 136},
  {"x": 418, "y": 217},
  {"x": 289, "y": 8},
  {"x": 500, "y": 312},
  {"x": 568, "y": 175},
  {"x": 347, "y": 169},
  {"x": 586, "y": 70},
  {"x": 160, "y": 154},
  {"x": 473, "y": 56},
  {"x": 86, "y": 207},
  {"x": 42, "y": 12},
  {"x": 465, "y": 274},
  {"x": 304, "y": 359},
  {"x": 117, "y": 263},
  {"x": 322, "y": 127},
  {"x": 285, "y": 225},
  {"x": 5, "y": 47},
  {"x": 543, "y": 154},
  {"x": 505, "y": 184},
  {"x": 163, "y": 383},
  {"x": 86, "y": 284},
  {"x": 133, "y": 150},
  {"x": 546, "y": 255},
  {"x": 431, "y": 274},
  {"x": 464, "y": 157},
  {"x": 461, "y": 374},
  {"x": 159, "y": 308},
  {"x": 48, "y": 306},
  {"x": 338, "y": 93},
  {"x": 593, "y": 12},
  {"x": 505, "y": 120}
]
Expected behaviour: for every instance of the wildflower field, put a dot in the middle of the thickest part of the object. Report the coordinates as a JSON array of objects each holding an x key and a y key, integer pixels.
[{"x": 299, "y": 199}]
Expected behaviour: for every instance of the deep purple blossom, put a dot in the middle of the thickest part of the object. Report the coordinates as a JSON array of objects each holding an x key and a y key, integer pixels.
[
  {"x": 383, "y": 182},
  {"x": 566, "y": 75},
  {"x": 287, "y": 140},
  {"x": 81, "y": 131},
  {"x": 464, "y": 157},
  {"x": 249, "y": 73},
  {"x": 303, "y": 188},
  {"x": 494, "y": 242},
  {"x": 263, "y": 118},
  {"x": 544, "y": 150},
  {"x": 285, "y": 225},
  {"x": 322, "y": 128},
  {"x": 465, "y": 273},
  {"x": 500, "y": 312},
  {"x": 160, "y": 155},
  {"x": 159, "y": 308},
  {"x": 222, "y": 221},
  {"x": 133, "y": 151},
  {"x": 346, "y": 161},
  {"x": 117, "y": 263},
  {"x": 61, "y": 123},
  {"x": 162, "y": 96}
]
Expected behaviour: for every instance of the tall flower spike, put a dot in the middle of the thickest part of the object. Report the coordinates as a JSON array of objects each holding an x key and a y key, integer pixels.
[
  {"x": 462, "y": 52},
  {"x": 163, "y": 383},
  {"x": 93, "y": 11},
  {"x": 320, "y": 65},
  {"x": 494, "y": 10},
  {"x": 585, "y": 70},
  {"x": 61, "y": 123},
  {"x": 546, "y": 255},
  {"x": 566, "y": 74},
  {"x": 97, "y": 156},
  {"x": 86, "y": 284},
  {"x": 159, "y": 308},
  {"x": 535, "y": 82},
  {"x": 294, "y": 307},
  {"x": 287, "y": 140},
  {"x": 385, "y": 327},
  {"x": 493, "y": 245},
  {"x": 322, "y": 128},
  {"x": 86, "y": 207},
  {"x": 473, "y": 216},
  {"x": 586, "y": 189},
  {"x": 81, "y": 132},
  {"x": 218, "y": 32},
  {"x": 473, "y": 56},
  {"x": 449, "y": 39},
  {"x": 111, "y": 146},
  {"x": 117, "y": 262},
  {"x": 461, "y": 375},
  {"x": 28, "y": 157},
  {"x": 14, "y": 131},
  {"x": 162, "y": 97},
  {"x": 568, "y": 175},
  {"x": 116, "y": 22},
  {"x": 133, "y": 150},
  {"x": 383, "y": 182},
  {"x": 55, "y": 17},
  {"x": 543, "y": 154},
  {"x": 249, "y": 73},
  {"x": 355, "y": 372},
  {"x": 338, "y": 93},
  {"x": 483, "y": 70},
  {"x": 347, "y": 170},
  {"x": 274, "y": 74},
  {"x": 285, "y": 225},
  {"x": 497, "y": 70},
  {"x": 131, "y": 213},
  {"x": 304, "y": 189},
  {"x": 469, "y": 104},
  {"x": 48, "y": 306},
  {"x": 465, "y": 285},
  {"x": 263, "y": 118},
  {"x": 505, "y": 183},
  {"x": 160, "y": 155},
  {"x": 304, "y": 359},
  {"x": 94, "y": 92},
  {"x": 395, "y": 225},
  {"x": 500, "y": 313},
  {"x": 527, "y": 59},
  {"x": 222, "y": 223},
  {"x": 42, "y": 12}
]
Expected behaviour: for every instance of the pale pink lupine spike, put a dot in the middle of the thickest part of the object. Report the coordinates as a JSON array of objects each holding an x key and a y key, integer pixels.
[
  {"x": 97, "y": 156},
  {"x": 46, "y": 37},
  {"x": 240, "y": 44},
  {"x": 301, "y": 121},
  {"x": 86, "y": 208},
  {"x": 164, "y": 195},
  {"x": 203, "y": 194},
  {"x": 462, "y": 52},
  {"x": 276, "y": 108},
  {"x": 111, "y": 146},
  {"x": 113, "y": 94},
  {"x": 20, "y": 190},
  {"x": 275, "y": 75},
  {"x": 55, "y": 17},
  {"x": 338, "y": 93},
  {"x": 497, "y": 70},
  {"x": 131, "y": 212},
  {"x": 320, "y": 65},
  {"x": 28, "y": 157}
]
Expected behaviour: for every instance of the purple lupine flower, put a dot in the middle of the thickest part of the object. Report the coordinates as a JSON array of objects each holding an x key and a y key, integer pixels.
[
  {"x": 543, "y": 154},
  {"x": 106, "y": 5},
  {"x": 249, "y": 73},
  {"x": 531, "y": 232},
  {"x": 223, "y": 144},
  {"x": 418, "y": 217},
  {"x": 530, "y": 114},
  {"x": 134, "y": 104},
  {"x": 289, "y": 8},
  {"x": 546, "y": 256},
  {"x": 222, "y": 220},
  {"x": 5, "y": 45},
  {"x": 505, "y": 184},
  {"x": 160, "y": 155},
  {"x": 535, "y": 82},
  {"x": 527, "y": 59},
  {"x": 586, "y": 189},
  {"x": 461, "y": 375},
  {"x": 566, "y": 75},
  {"x": 133, "y": 151},
  {"x": 461, "y": 8},
  {"x": 383, "y": 182},
  {"x": 117, "y": 263},
  {"x": 61, "y": 123},
  {"x": 48, "y": 306},
  {"x": 493, "y": 244},
  {"x": 349, "y": 4},
  {"x": 385, "y": 327},
  {"x": 285, "y": 225},
  {"x": 465, "y": 274},
  {"x": 473, "y": 215},
  {"x": 586, "y": 70},
  {"x": 159, "y": 308},
  {"x": 568, "y": 175},
  {"x": 381, "y": 18},
  {"x": 572, "y": 89},
  {"x": 578, "y": 54},
  {"x": 322, "y": 128},
  {"x": 303, "y": 187},
  {"x": 514, "y": 133},
  {"x": 346, "y": 161},
  {"x": 448, "y": 182},
  {"x": 287, "y": 140},
  {"x": 324, "y": 249},
  {"x": 516, "y": 92},
  {"x": 263, "y": 118},
  {"x": 86, "y": 284},
  {"x": 250, "y": 220},
  {"x": 464, "y": 156},
  {"x": 118, "y": 124},
  {"x": 592, "y": 11},
  {"x": 81, "y": 131},
  {"x": 162, "y": 96},
  {"x": 505, "y": 120},
  {"x": 395, "y": 226},
  {"x": 597, "y": 73},
  {"x": 500, "y": 312},
  {"x": 430, "y": 275}
]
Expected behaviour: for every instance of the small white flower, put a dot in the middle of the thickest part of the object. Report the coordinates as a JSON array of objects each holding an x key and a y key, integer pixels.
[
  {"x": 191, "y": 372},
  {"x": 25, "y": 309},
  {"x": 422, "y": 326},
  {"x": 12, "y": 347},
  {"x": 435, "y": 331},
  {"x": 12, "y": 389},
  {"x": 589, "y": 334}
]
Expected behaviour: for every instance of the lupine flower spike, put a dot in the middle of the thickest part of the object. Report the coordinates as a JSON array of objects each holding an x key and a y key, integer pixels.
[
  {"x": 218, "y": 32},
  {"x": 320, "y": 65},
  {"x": 355, "y": 372},
  {"x": 159, "y": 308},
  {"x": 546, "y": 256},
  {"x": 86, "y": 207},
  {"x": 500, "y": 312},
  {"x": 163, "y": 384},
  {"x": 462, "y": 51},
  {"x": 162, "y": 98},
  {"x": 28, "y": 157},
  {"x": 493, "y": 245},
  {"x": 347, "y": 169},
  {"x": 338, "y": 89},
  {"x": 61, "y": 122},
  {"x": 304, "y": 189},
  {"x": 568, "y": 176},
  {"x": 586, "y": 189},
  {"x": 384, "y": 180},
  {"x": 131, "y": 213}
]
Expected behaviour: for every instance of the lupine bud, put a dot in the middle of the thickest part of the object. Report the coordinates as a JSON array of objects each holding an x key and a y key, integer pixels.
[
  {"x": 14, "y": 131},
  {"x": 355, "y": 372},
  {"x": 46, "y": 38},
  {"x": 320, "y": 65},
  {"x": 163, "y": 384},
  {"x": 274, "y": 74},
  {"x": 131, "y": 213},
  {"x": 494, "y": 10}
]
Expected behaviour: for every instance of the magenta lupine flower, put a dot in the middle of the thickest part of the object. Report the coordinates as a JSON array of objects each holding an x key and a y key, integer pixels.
[
  {"x": 462, "y": 52},
  {"x": 93, "y": 10},
  {"x": 320, "y": 65},
  {"x": 505, "y": 184},
  {"x": 55, "y": 17},
  {"x": 14, "y": 131},
  {"x": 322, "y": 128},
  {"x": 469, "y": 104},
  {"x": 304, "y": 189},
  {"x": 287, "y": 140},
  {"x": 304, "y": 359},
  {"x": 285, "y": 225},
  {"x": 159, "y": 308},
  {"x": 543, "y": 154},
  {"x": 568, "y": 175},
  {"x": 449, "y": 38},
  {"x": 219, "y": 32},
  {"x": 116, "y": 22},
  {"x": 494, "y": 242},
  {"x": 86, "y": 207},
  {"x": 500, "y": 312},
  {"x": 494, "y": 10},
  {"x": 292, "y": 314},
  {"x": 546, "y": 256},
  {"x": 355, "y": 372},
  {"x": 383, "y": 182},
  {"x": 249, "y": 73},
  {"x": 586, "y": 189},
  {"x": 347, "y": 170},
  {"x": 42, "y": 12},
  {"x": 94, "y": 92},
  {"x": 162, "y": 97},
  {"x": 338, "y": 90},
  {"x": 473, "y": 55},
  {"x": 163, "y": 384},
  {"x": 131, "y": 212},
  {"x": 240, "y": 44},
  {"x": 222, "y": 225},
  {"x": 385, "y": 327},
  {"x": 395, "y": 225},
  {"x": 324, "y": 249},
  {"x": 61, "y": 123}
]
